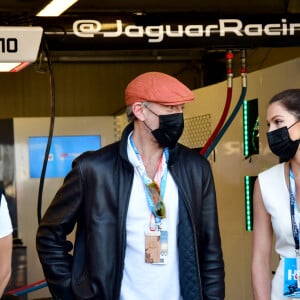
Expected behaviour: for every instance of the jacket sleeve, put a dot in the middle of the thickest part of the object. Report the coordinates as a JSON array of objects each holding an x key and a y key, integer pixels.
[
  {"x": 210, "y": 249},
  {"x": 51, "y": 241}
]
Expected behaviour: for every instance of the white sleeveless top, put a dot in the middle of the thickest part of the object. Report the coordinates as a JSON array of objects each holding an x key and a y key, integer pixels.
[{"x": 276, "y": 199}]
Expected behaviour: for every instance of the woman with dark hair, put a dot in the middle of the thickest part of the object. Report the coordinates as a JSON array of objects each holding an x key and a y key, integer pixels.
[{"x": 276, "y": 204}]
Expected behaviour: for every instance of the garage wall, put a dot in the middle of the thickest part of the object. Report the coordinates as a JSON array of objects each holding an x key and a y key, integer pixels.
[
  {"x": 97, "y": 89},
  {"x": 81, "y": 89}
]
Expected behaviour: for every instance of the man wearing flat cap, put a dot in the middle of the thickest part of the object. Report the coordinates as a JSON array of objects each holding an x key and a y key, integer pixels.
[{"x": 145, "y": 210}]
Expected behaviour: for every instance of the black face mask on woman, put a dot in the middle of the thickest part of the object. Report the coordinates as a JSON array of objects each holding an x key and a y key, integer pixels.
[
  {"x": 169, "y": 130},
  {"x": 281, "y": 144}
]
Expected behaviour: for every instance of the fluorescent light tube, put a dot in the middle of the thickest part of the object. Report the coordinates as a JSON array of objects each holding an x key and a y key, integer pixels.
[
  {"x": 7, "y": 67},
  {"x": 55, "y": 8},
  {"x": 13, "y": 66}
]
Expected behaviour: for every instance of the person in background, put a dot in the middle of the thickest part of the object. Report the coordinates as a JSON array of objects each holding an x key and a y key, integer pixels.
[
  {"x": 5, "y": 244},
  {"x": 145, "y": 209},
  {"x": 276, "y": 201}
]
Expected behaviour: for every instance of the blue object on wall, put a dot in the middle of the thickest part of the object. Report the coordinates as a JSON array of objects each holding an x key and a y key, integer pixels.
[{"x": 63, "y": 150}]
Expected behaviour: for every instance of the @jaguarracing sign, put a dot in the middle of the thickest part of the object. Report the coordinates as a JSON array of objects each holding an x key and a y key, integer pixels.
[{"x": 221, "y": 29}]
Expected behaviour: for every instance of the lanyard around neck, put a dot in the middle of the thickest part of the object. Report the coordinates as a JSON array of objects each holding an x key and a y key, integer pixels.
[
  {"x": 295, "y": 227},
  {"x": 147, "y": 180}
]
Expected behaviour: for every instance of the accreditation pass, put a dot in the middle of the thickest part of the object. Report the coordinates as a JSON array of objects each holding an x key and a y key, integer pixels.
[{"x": 156, "y": 247}]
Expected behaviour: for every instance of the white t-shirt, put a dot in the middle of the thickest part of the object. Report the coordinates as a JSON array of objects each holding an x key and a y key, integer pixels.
[
  {"x": 144, "y": 280},
  {"x": 5, "y": 221}
]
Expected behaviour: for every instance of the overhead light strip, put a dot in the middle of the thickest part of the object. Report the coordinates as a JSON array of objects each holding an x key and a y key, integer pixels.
[
  {"x": 55, "y": 8},
  {"x": 13, "y": 66},
  {"x": 7, "y": 67}
]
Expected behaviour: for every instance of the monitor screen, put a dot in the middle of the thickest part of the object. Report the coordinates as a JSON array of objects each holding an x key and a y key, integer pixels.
[{"x": 63, "y": 150}]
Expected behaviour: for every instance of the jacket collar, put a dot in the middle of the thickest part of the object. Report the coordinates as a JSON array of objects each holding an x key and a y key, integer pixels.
[
  {"x": 124, "y": 139},
  {"x": 123, "y": 145}
]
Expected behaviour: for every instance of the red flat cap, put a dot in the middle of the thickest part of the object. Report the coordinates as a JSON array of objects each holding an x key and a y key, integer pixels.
[{"x": 159, "y": 88}]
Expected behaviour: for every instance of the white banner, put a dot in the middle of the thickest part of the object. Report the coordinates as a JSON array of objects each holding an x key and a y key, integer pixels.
[{"x": 19, "y": 43}]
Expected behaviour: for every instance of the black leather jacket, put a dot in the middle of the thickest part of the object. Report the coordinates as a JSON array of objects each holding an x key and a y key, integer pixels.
[{"x": 95, "y": 196}]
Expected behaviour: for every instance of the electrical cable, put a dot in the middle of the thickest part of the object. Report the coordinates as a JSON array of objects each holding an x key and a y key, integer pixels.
[
  {"x": 229, "y": 58},
  {"x": 237, "y": 107},
  {"x": 28, "y": 288},
  {"x": 51, "y": 129}
]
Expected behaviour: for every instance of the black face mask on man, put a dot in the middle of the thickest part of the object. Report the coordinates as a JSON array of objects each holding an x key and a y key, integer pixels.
[
  {"x": 169, "y": 130},
  {"x": 281, "y": 144}
]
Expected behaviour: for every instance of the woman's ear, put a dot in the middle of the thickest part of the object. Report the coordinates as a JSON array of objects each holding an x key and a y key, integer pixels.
[{"x": 138, "y": 110}]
